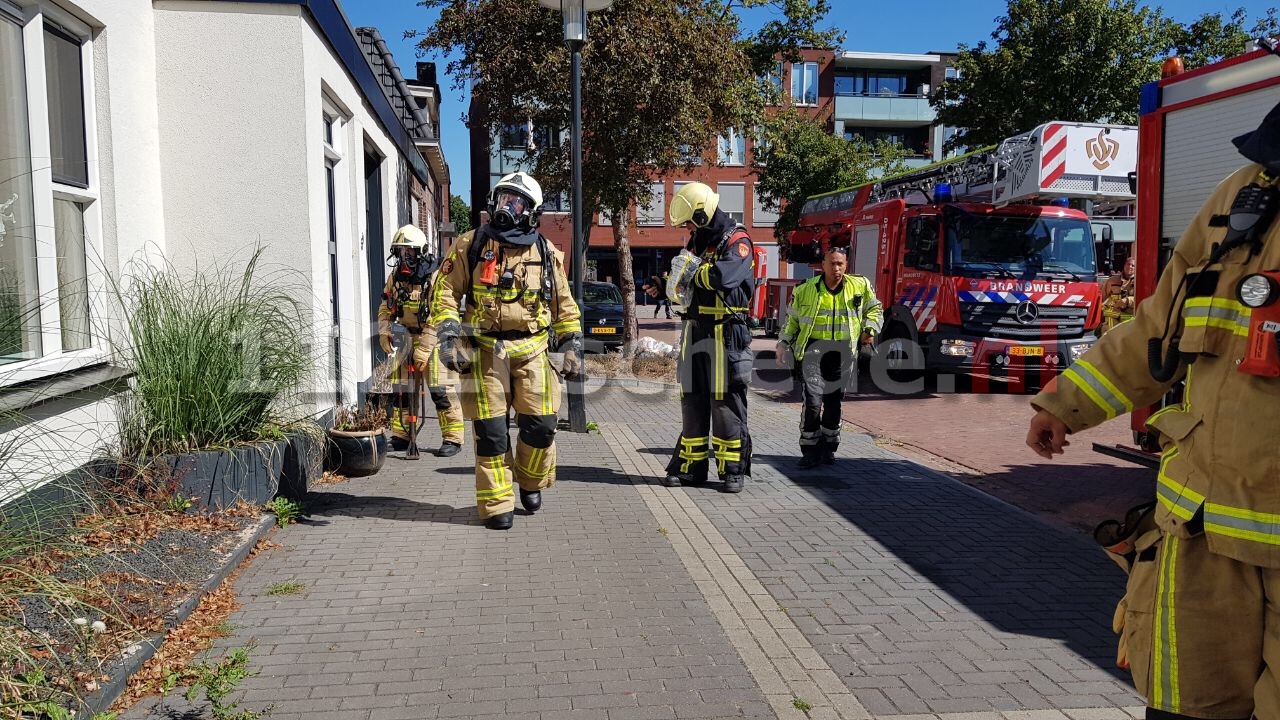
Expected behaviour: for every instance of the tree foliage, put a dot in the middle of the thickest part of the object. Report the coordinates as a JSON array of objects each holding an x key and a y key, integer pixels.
[
  {"x": 661, "y": 80},
  {"x": 1073, "y": 60},
  {"x": 460, "y": 214},
  {"x": 799, "y": 157}
]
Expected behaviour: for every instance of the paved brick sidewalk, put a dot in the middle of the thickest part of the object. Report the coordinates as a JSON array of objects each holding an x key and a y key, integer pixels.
[{"x": 878, "y": 588}]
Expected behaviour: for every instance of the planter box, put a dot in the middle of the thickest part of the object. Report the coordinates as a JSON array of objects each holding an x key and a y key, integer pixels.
[
  {"x": 303, "y": 466},
  {"x": 216, "y": 479}
]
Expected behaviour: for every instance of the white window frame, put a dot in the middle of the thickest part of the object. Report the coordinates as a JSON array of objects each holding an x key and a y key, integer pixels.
[
  {"x": 742, "y": 210},
  {"x": 732, "y": 147},
  {"x": 53, "y": 360},
  {"x": 758, "y": 209},
  {"x": 804, "y": 69},
  {"x": 646, "y": 215}
]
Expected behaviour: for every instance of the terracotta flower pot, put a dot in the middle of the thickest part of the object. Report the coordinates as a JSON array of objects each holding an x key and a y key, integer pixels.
[{"x": 356, "y": 452}]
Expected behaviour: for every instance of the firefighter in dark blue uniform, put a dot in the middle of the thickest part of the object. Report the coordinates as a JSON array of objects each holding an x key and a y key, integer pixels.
[{"x": 713, "y": 281}]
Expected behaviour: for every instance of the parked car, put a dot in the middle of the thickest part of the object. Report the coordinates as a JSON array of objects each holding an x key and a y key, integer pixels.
[{"x": 601, "y": 316}]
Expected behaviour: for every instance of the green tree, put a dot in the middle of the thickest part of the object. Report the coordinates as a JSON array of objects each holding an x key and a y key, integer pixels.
[
  {"x": 799, "y": 157},
  {"x": 661, "y": 80},
  {"x": 460, "y": 214},
  {"x": 1072, "y": 60}
]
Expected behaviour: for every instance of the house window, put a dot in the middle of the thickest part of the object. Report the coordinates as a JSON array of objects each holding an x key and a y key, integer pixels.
[
  {"x": 49, "y": 214},
  {"x": 732, "y": 200},
  {"x": 952, "y": 73},
  {"x": 773, "y": 79},
  {"x": 760, "y": 216},
  {"x": 804, "y": 83},
  {"x": 655, "y": 212},
  {"x": 733, "y": 148}
]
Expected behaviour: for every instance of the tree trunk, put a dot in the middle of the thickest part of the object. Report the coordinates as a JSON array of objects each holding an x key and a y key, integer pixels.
[{"x": 626, "y": 281}]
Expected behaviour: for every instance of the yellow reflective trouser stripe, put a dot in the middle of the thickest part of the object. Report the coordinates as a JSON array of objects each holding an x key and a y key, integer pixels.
[
  {"x": 725, "y": 451},
  {"x": 718, "y": 382},
  {"x": 1222, "y": 313},
  {"x": 1176, "y": 497},
  {"x": 1165, "y": 694},
  {"x": 692, "y": 450},
  {"x": 1098, "y": 388},
  {"x": 501, "y": 480},
  {"x": 1240, "y": 523},
  {"x": 546, "y": 385},
  {"x": 482, "y": 395}
]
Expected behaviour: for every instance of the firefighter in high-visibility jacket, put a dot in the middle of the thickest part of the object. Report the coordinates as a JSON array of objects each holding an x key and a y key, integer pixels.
[
  {"x": 1200, "y": 621},
  {"x": 519, "y": 305},
  {"x": 831, "y": 315},
  {"x": 405, "y": 301},
  {"x": 715, "y": 345}
]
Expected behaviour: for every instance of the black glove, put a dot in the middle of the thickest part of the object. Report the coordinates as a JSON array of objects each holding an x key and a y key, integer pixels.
[
  {"x": 571, "y": 346},
  {"x": 448, "y": 334}
]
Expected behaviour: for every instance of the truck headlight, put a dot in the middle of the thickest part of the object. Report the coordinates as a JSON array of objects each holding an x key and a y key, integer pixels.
[
  {"x": 956, "y": 348},
  {"x": 1078, "y": 350},
  {"x": 1257, "y": 290}
]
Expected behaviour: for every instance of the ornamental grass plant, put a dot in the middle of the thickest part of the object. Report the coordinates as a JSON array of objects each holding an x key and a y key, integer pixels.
[{"x": 218, "y": 358}]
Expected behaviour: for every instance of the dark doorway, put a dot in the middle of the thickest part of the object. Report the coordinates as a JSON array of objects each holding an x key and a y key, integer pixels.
[{"x": 375, "y": 242}]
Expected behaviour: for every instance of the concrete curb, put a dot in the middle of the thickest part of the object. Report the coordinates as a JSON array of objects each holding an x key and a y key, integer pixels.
[{"x": 101, "y": 700}]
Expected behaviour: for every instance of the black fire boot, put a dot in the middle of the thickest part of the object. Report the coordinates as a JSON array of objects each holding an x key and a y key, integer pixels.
[
  {"x": 531, "y": 499},
  {"x": 808, "y": 462},
  {"x": 501, "y": 521},
  {"x": 449, "y": 449},
  {"x": 733, "y": 483},
  {"x": 675, "y": 480},
  {"x": 828, "y": 457}
]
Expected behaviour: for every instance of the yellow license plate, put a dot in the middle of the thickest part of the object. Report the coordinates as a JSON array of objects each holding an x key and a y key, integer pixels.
[
  {"x": 1025, "y": 351},
  {"x": 604, "y": 331}
]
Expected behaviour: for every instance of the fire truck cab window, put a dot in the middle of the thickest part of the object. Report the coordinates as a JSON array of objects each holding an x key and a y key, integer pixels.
[{"x": 922, "y": 243}]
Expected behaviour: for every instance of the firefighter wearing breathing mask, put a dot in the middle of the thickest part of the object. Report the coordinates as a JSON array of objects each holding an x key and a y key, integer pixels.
[
  {"x": 519, "y": 305},
  {"x": 715, "y": 286},
  {"x": 405, "y": 301},
  {"x": 1200, "y": 621}
]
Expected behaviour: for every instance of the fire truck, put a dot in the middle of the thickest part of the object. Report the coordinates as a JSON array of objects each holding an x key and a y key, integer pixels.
[
  {"x": 1186, "y": 123},
  {"x": 979, "y": 261}
]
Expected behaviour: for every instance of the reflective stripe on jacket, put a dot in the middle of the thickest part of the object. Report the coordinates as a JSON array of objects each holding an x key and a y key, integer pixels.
[{"x": 849, "y": 311}]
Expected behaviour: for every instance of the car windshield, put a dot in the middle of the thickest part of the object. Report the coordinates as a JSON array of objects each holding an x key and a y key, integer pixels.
[
  {"x": 1018, "y": 246},
  {"x": 601, "y": 295}
]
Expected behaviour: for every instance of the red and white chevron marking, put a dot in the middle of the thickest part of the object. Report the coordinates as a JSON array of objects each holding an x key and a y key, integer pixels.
[{"x": 1053, "y": 160}]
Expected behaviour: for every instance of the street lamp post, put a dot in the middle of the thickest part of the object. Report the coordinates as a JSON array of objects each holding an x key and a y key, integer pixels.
[{"x": 574, "y": 15}]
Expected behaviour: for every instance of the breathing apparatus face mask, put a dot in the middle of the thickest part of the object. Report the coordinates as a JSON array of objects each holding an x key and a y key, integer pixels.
[{"x": 511, "y": 210}]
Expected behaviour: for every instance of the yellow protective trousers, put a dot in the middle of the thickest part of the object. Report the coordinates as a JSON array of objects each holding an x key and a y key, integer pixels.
[
  {"x": 497, "y": 383},
  {"x": 1202, "y": 631}
]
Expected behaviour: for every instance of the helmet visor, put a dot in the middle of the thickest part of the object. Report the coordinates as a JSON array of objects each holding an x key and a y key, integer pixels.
[{"x": 512, "y": 202}]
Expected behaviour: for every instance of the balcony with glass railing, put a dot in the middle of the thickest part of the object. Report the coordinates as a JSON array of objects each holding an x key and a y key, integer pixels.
[{"x": 914, "y": 109}]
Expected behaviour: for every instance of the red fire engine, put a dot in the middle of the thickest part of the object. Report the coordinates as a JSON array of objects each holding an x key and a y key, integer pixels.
[
  {"x": 974, "y": 275},
  {"x": 1187, "y": 121}
]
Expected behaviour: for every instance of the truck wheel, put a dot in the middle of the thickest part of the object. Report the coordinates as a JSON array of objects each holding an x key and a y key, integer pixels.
[{"x": 901, "y": 356}]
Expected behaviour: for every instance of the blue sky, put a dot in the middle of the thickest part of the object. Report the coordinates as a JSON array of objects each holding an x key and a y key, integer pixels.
[{"x": 919, "y": 26}]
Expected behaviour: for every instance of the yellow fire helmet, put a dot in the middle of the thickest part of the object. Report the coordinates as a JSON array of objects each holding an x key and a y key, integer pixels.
[
  {"x": 410, "y": 236},
  {"x": 695, "y": 203}
]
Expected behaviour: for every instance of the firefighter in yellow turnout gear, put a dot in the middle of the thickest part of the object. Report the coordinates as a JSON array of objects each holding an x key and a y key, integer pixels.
[
  {"x": 1200, "y": 621},
  {"x": 831, "y": 315},
  {"x": 518, "y": 298},
  {"x": 405, "y": 300}
]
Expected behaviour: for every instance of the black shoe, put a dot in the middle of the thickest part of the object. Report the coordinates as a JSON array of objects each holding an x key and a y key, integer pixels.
[
  {"x": 829, "y": 457},
  {"x": 449, "y": 449},
  {"x": 733, "y": 483},
  {"x": 674, "y": 480},
  {"x": 502, "y": 521},
  {"x": 696, "y": 481},
  {"x": 808, "y": 462},
  {"x": 531, "y": 499},
  {"x": 399, "y": 444}
]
